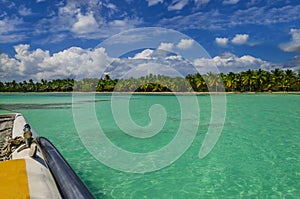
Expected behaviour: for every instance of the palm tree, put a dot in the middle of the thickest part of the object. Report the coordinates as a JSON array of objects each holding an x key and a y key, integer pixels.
[
  {"x": 106, "y": 77},
  {"x": 213, "y": 80},
  {"x": 276, "y": 77},
  {"x": 45, "y": 86},
  {"x": 67, "y": 85},
  {"x": 192, "y": 81},
  {"x": 262, "y": 80},
  {"x": 289, "y": 78},
  {"x": 200, "y": 83},
  {"x": 297, "y": 82},
  {"x": 1, "y": 87},
  {"x": 230, "y": 81},
  {"x": 245, "y": 80},
  {"x": 249, "y": 80},
  {"x": 31, "y": 86}
]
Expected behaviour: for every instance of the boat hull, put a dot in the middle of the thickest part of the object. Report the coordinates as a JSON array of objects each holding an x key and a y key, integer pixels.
[{"x": 38, "y": 170}]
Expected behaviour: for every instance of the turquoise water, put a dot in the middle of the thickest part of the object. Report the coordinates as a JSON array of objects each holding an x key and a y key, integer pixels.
[{"x": 257, "y": 155}]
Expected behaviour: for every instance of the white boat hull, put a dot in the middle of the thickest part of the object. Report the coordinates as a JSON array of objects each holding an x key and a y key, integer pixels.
[{"x": 41, "y": 169}]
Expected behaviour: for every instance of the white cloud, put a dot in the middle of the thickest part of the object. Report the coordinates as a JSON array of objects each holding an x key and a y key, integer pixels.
[
  {"x": 10, "y": 30},
  {"x": 154, "y": 2},
  {"x": 85, "y": 24},
  {"x": 296, "y": 59},
  {"x": 201, "y": 2},
  {"x": 145, "y": 54},
  {"x": 294, "y": 44},
  {"x": 166, "y": 46},
  {"x": 8, "y": 67},
  {"x": 155, "y": 68},
  {"x": 111, "y": 6},
  {"x": 23, "y": 11},
  {"x": 231, "y": 63},
  {"x": 222, "y": 41},
  {"x": 178, "y": 4},
  {"x": 74, "y": 62},
  {"x": 185, "y": 43},
  {"x": 118, "y": 23},
  {"x": 172, "y": 65},
  {"x": 216, "y": 20},
  {"x": 261, "y": 15},
  {"x": 240, "y": 39},
  {"x": 79, "y": 63},
  {"x": 159, "y": 55},
  {"x": 295, "y": 34},
  {"x": 9, "y": 24},
  {"x": 174, "y": 57},
  {"x": 59, "y": 23},
  {"x": 230, "y": 1},
  {"x": 29, "y": 61}
]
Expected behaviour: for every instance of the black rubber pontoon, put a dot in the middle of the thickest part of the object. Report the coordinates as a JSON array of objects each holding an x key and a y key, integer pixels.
[{"x": 68, "y": 183}]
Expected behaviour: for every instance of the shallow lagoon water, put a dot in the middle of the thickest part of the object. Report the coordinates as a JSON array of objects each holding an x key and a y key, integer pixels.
[{"x": 257, "y": 154}]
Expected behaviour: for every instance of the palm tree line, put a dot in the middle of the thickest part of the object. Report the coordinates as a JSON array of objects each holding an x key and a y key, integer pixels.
[{"x": 246, "y": 81}]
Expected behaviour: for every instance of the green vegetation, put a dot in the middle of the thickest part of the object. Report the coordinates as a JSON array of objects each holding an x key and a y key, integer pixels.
[{"x": 247, "y": 81}]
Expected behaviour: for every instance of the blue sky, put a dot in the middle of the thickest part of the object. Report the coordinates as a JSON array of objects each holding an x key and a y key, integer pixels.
[{"x": 46, "y": 39}]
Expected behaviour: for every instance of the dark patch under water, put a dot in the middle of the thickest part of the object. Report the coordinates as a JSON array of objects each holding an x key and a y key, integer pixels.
[
  {"x": 20, "y": 106},
  {"x": 35, "y": 106}
]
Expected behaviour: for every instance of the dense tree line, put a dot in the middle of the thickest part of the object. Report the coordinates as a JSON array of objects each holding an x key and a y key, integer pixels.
[
  {"x": 247, "y": 81},
  {"x": 57, "y": 85}
]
